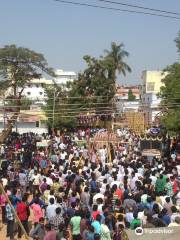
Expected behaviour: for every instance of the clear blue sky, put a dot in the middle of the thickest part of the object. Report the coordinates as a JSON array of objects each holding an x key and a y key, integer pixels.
[{"x": 64, "y": 33}]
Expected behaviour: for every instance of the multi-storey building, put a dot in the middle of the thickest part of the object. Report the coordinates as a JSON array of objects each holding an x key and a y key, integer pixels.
[{"x": 150, "y": 101}]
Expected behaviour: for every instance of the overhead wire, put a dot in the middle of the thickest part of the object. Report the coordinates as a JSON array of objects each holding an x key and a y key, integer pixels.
[
  {"x": 58, "y": 97},
  {"x": 91, "y": 105},
  {"x": 139, "y": 7},
  {"x": 87, "y": 98},
  {"x": 87, "y": 111},
  {"x": 116, "y": 9}
]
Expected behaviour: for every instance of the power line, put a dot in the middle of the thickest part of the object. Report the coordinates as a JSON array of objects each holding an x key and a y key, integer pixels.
[
  {"x": 70, "y": 104},
  {"x": 58, "y": 97},
  {"x": 87, "y": 98},
  {"x": 116, "y": 9},
  {"x": 95, "y": 111},
  {"x": 140, "y": 7},
  {"x": 89, "y": 107}
]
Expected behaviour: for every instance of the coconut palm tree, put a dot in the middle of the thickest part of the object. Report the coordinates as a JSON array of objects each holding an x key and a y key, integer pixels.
[{"x": 115, "y": 57}]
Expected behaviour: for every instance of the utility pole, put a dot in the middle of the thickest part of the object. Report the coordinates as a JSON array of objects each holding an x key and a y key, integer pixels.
[
  {"x": 54, "y": 103},
  {"x": 4, "y": 115}
]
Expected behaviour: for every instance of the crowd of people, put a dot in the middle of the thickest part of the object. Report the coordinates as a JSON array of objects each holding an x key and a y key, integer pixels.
[{"x": 72, "y": 189}]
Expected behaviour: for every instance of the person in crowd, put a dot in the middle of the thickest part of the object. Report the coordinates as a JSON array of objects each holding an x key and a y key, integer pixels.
[
  {"x": 23, "y": 212},
  {"x": 3, "y": 201},
  {"x": 75, "y": 225},
  {"x": 105, "y": 231},
  {"x": 38, "y": 233},
  {"x": 10, "y": 218},
  {"x": 57, "y": 220},
  {"x": 51, "y": 209},
  {"x": 135, "y": 222},
  {"x": 37, "y": 212},
  {"x": 50, "y": 233},
  {"x": 97, "y": 224}
]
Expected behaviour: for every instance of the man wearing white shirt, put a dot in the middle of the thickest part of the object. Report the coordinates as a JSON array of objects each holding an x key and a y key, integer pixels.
[
  {"x": 133, "y": 181},
  {"x": 129, "y": 216},
  {"x": 153, "y": 178},
  {"x": 51, "y": 209},
  {"x": 103, "y": 155},
  {"x": 115, "y": 182},
  {"x": 49, "y": 181},
  {"x": 63, "y": 155},
  {"x": 98, "y": 195},
  {"x": 36, "y": 181},
  {"x": 62, "y": 146}
]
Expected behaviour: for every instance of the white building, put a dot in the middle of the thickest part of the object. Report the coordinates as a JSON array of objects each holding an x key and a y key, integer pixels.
[
  {"x": 33, "y": 120},
  {"x": 28, "y": 121},
  {"x": 62, "y": 77},
  {"x": 150, "y": 102},
  {"x": 35, "y": 90},
  {"x": 127, "y": 106},
  {"x": 151, "y": 106}
]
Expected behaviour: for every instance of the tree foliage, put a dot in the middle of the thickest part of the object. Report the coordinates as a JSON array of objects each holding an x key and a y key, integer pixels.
[
  {"x": 170, "y": 94},
  {"x": 177, "y": 40},
  {"x": 131, "y": 97},
  {"x": 94, "y": 89},
  {"x": 57, "y": 107},
  {"x": 10, "y": 104},
  {"x": 115, "y": 56},
  {"x": 19, "y": 65}
]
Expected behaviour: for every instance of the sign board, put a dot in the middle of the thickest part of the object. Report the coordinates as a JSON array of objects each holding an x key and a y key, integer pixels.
[
  {"x": 151, "y": 153},
  {"x": 155, "y": 130}
]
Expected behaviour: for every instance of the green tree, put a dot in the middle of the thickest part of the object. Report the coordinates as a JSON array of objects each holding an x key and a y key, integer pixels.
[
  {"x": 57, "y": 107},
  {"x": 10, "y": 104},
  {"x": 131, "y": 97},
  {"x": 18, "y": 66},
  {"x": 170, "y": 94},
  {"x": 177, "y": 41},
  {"x": 115, "y": 56},
  {"x": 94, "y": 89}
]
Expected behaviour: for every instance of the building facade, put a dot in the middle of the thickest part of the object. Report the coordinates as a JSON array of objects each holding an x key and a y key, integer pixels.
[
  {"x": 150, "y": 102},
  {"x": 34, "y": 119},
  {"x": 122, "y": 92},
  {"x": 123, "y": 104},
  {"x": 63, "y": 77},
  {"x": 35, "y": 89},
  {"x": 27, "y": 121}
]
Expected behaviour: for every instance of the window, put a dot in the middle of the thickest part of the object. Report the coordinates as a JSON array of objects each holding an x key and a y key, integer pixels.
[
  {"x": 28, "y": 93},
  {"x": 37, "y": 124},
  {"x": 150, "y": 86},
  {"x": 41, "y": 93}
]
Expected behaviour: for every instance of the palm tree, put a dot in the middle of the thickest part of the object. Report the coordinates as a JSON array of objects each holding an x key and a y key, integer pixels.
[
  {"x": 115, "y": 57},
  {"x": 116, "y": 65}
]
